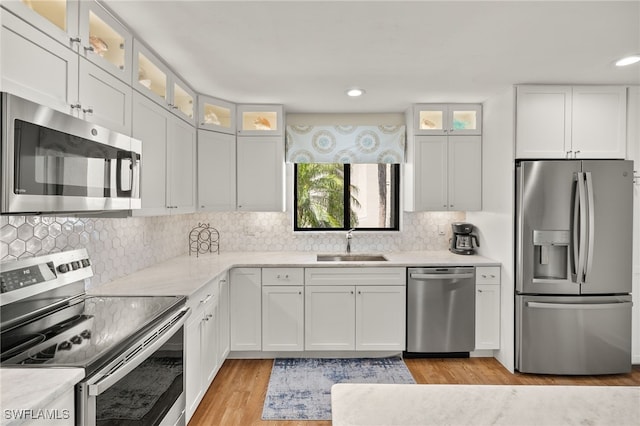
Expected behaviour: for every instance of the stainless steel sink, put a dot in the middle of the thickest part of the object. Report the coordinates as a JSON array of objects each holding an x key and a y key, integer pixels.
[{"x": 350, "y": 258}]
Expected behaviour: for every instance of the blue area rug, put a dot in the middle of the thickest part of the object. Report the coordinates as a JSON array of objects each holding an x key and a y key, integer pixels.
[{"x": 300, "y": 389}]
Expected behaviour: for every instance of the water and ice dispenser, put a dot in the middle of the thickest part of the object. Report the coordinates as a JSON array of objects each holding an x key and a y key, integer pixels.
[{"x": 551, "y": 255}]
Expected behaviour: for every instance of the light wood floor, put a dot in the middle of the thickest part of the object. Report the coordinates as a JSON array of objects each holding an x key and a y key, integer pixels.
[{"x": 237, "y": 394}]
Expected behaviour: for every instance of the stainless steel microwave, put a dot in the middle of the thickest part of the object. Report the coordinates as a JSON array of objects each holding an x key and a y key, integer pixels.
[{"x": 56, "y": 163}]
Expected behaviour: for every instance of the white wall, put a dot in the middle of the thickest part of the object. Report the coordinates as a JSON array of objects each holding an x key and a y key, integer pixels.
[{"x": 495, "y": 222}]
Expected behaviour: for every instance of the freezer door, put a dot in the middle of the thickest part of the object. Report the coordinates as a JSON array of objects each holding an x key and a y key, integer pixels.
[
  {"x": 546, "y": 251},
  {"x": 609, "y": 200},
  {"x": 573, "y": 334}
]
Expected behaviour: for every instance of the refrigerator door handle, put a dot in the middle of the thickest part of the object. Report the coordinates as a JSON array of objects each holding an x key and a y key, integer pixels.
[
  {"x": 575, "y": 236},
  {"x": 590, "y": 225},
  {"x": 582, "y": 238},
  {"x": 543, "y": 305}
]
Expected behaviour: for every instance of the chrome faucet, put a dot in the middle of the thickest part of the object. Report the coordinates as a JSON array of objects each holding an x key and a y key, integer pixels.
[{"x": 349, "y": 238}]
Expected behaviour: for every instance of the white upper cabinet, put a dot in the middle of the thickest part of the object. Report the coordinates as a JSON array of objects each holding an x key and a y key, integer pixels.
[
  {"x": 216, "y": 171},
  {"x": 447, "y": 119},
  {"x": 59, "y": 19},
  {"x": 26, "y": 54},
  {"x": 103, "y": 99},
  {"x": 260, "y": 120},
  {"x": 183, "y": 100},
  {"x": 168, "y": 159},
  {"x": 444, "y": 173},
  {"x": 155, "y": 80},
  {"x": 83, "y": 26},
  {"x": 37, "y": 66},
  {"x": 216, "y": 114},
  {"x": 105, "y": 41},
  {"x": 571, "y": 121},
  {"x": 260, "y": 173}
]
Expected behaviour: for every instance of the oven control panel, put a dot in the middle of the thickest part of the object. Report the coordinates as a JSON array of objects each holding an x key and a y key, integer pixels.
[
  {"x": 24, "y": 277},
  {"x": 50, "y": 270}
]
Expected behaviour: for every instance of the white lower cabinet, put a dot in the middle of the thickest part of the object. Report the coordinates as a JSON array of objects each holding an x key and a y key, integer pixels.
[
  {"x": 245, "y": 302},
  {"x": 330, "y": 320},
  {"x": 487, "y": 307},
  {"x": 202, "y": 354},
  {"x": 355, "y": 309},
  {"x": 283, "y": 318},
  {"x": 380, "y": 318}
]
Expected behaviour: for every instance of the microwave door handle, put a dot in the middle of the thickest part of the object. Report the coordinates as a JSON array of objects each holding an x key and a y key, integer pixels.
[
  {"x": 135, "y": 175},
  {"x": 120, "y": 191},
  {"x": 590, "y": 226}
]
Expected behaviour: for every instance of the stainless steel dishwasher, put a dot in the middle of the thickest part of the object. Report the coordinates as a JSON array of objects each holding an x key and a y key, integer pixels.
[{"x": 440, "y": 310}]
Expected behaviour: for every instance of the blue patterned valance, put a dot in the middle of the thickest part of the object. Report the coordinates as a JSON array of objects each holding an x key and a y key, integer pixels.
[{"x": 345, "y": 144}]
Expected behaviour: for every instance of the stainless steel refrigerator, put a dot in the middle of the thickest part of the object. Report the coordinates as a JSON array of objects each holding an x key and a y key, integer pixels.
[{"x": 573, "y": 266}]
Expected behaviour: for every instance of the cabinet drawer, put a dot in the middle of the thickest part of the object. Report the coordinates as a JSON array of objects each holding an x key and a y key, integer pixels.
[
  {"x": 204, "y": 295},
  {"x": 488, "y": 275},
  {"x": 282, "y": 276},
  {"x": 355, "y": 276}
]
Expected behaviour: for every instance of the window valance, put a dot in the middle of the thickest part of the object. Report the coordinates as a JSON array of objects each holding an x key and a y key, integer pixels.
[{"x": 345, "y": 144}]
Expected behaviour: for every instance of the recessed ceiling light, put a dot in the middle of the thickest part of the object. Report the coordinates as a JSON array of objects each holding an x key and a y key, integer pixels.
[
  {"x": 628, "y": 60},
  {"x": 355, "y": 92}
]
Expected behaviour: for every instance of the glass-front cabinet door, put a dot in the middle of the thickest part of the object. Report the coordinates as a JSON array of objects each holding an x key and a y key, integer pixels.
[
  {"x": 216, "y": 114},
  {"x": 447, "y": 119},
  {"x": 430, "y": 119},
  {"x": 183, "y": 100},
  {"x": 105, "y": 41},
  {"x": 465, "y": 119},
  {"x": 151, "y": 78},
  {"x": 258, "y": 120},
  {"x": 57, "y": 18}
]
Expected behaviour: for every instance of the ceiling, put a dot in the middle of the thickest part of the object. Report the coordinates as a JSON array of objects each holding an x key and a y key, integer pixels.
[{"x": 306, "y": 54}]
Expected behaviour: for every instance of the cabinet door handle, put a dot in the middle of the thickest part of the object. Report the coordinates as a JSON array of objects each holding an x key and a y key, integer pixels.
[
  {"x": 89, "y": 110},
  {"x": 88, "y": 49},
  {"x": 74, "y": 40},
  {"x": 479, "y": 291}
]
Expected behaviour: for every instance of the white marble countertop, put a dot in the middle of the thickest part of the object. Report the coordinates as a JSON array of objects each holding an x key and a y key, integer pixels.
[
  {"x": 424, "y": 405},
  {"x": 184, "y": 275},
  {"x": 34, "y": 389}
]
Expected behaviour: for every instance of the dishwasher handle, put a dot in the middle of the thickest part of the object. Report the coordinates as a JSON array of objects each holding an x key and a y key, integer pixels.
[{"x": 425, "y": 277}]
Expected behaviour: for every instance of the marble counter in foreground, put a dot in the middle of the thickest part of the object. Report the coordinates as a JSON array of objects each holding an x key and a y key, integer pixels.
[
  {"x": 424, "y": 405},
  {"x": 184, "y": 275},
  {"x": 28, "y": 394}
]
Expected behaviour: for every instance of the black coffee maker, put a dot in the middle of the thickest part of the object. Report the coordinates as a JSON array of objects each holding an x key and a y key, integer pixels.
[{"x": 462, "y": 239}]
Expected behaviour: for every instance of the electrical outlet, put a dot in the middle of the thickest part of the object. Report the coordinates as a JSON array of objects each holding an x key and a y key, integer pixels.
[{"x": 442, "y": 230}]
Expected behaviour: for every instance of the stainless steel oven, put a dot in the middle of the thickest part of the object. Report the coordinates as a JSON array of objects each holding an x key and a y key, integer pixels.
[
  {"x": 130, "y": 347},
  {"x": 55, "y": 163}
]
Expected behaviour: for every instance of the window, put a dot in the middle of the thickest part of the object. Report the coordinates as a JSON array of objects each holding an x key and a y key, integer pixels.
[{"x": 345, "y": 196}]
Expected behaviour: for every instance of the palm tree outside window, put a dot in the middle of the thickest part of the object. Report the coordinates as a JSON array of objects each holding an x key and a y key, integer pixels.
[{"x": 345, "y": 196}]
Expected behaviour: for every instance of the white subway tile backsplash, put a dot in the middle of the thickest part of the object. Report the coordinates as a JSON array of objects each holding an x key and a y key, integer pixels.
[{"x": 119, "y": 247}]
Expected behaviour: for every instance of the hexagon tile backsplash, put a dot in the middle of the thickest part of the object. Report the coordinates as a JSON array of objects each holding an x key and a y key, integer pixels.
[{"x": 119, "y": 247}]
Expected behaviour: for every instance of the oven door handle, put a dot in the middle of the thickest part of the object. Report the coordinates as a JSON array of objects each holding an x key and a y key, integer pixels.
[{"x": 133, "y": 357}]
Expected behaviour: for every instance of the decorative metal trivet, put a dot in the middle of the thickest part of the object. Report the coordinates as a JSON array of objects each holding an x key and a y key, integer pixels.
[{"x": 204, "y": 239}]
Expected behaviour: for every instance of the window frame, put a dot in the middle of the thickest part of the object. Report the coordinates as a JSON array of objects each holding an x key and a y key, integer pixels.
[{"x": 395, "y": 203}]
